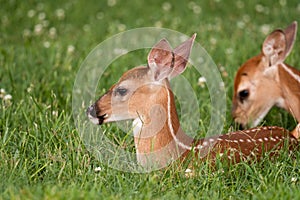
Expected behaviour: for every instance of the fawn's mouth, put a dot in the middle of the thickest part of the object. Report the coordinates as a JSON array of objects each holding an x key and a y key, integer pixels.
[
  {"x": 94, "y": 117},
  {"x": 101, "y": 118}
]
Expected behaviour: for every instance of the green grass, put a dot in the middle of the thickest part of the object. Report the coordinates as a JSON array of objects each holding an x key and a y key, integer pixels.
[{"x": 43, "y": 43}]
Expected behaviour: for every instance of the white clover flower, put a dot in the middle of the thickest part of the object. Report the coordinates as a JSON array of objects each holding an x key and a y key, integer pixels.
[
  {"x": 2, "y": 93},
  {"x": 42, "y": 16},
  {"x": 121, "y": 27},
  {"x": 188, "y": 173},
  {"x": 111, "y": 3},
  {"x": 240, "y": 4},
  {"x": 191, "y": 5},
  {"x": 60, "y": 13},
  {"x": 200, "y": 59},
  {"x": 188, "y": 170},
  {"x": 229, "y": 51},
  {"x": 158, "y": 24},
  {"x": 259, "y": 8},
  {"x": 265, "y": 29},
  {"x": 119, "y": 51},
  {"x": 246, "y": 18},
  {"x": 26, "y": 33},
  {"x": 213, "y": 41},
  {"x": 282, "y": 2},
  {"x": 45, "y": 23},
  {"x": 47, "y": 44},
  {"x": 40, "y": 6},
  {"x": 222, "y": 85},
  {"x": 71, "y": 49},
  {"x": 30, "y": 88},
  {"x": 52, "y": 32},
  {"x": 98, "y": 169},
  {"x": 224, "y": 72},
  {"x": 38, "y": 29},
  {"x": 240, "y": 24},
  {"x": 86, "y": 27},
  {"x": 100, "y": 15},
  {"x": 202, "y": 81},
  {"x": 55, "y": 113},
  {"x": 7, "y": 97},
  {"x": 197, "y": 9},
  {"x": 31, "y": 13},
  {"x": 166, "y": 6}
]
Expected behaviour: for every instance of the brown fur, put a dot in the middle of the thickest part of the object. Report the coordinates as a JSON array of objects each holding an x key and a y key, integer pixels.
[
  {"x": 158, "y": 137},
  {"x": 268, "y": 81}
]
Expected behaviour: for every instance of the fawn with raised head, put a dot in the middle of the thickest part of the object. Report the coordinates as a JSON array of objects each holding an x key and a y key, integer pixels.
[
  {"x": 265, "y": 81},
  {"x": 143, "y": 94}
]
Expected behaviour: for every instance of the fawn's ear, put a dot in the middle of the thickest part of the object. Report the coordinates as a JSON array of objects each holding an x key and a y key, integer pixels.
[
  {"x": 160, "y": 60},
  {"x": 279, "y": 43},
  {"x": 290, "y": 35},
  {"x": 181, "y": 56},
  {"x": 274, "y": 47}
]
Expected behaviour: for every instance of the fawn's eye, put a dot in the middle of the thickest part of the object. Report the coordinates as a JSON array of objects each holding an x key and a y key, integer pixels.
[
  {"x": 243, "y": 95},
  {"x": 121, "y": 91}
]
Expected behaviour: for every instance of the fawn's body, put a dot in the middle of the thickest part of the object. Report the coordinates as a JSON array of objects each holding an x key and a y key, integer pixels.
[
  {"x": 143, "y": 94},
  {"x": 265, "y": 81}
]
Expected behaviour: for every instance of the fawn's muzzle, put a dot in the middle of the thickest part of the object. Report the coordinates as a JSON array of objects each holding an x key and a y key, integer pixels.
[
  {"x": 92, "y": 115},
  {"x": 91, "y": 111}
]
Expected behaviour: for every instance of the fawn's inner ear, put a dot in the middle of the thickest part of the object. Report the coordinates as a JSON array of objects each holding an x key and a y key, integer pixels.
[
  {"x": 181, "y": 56},
  {"x": 274, "y": 47},
  {"x": 290, "y": 35},
  {"x": 160, "y": 60}
]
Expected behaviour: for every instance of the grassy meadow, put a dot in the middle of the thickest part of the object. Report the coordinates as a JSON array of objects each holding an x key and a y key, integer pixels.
[{"x": 42, "y": 46}]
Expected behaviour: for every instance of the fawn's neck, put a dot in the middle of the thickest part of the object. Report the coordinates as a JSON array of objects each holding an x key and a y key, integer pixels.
[
  {"x": 159, "y": 140},
  {"x": 289, "y": 79}
]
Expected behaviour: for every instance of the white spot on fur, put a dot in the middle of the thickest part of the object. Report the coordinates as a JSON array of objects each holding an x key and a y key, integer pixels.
[{"x": 188, "y": 170}]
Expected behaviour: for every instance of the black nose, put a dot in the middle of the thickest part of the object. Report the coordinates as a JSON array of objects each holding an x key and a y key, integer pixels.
[
  {"x": 241, "y": 127},
  {"x": 237, "y": 125},
  {"x": 91, "y": 111}
]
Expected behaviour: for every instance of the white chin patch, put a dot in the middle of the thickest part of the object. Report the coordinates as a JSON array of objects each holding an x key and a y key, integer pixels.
[
  {"x": 137, "y": 125},
  {"x": 260, "y": 118},
  {"x": 93, "y": 119}
]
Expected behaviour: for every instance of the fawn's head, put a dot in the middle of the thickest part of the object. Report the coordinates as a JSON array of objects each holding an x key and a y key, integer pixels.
[
  {"x": 142, "y": 88},
  {"x": 257, "y": 87}
]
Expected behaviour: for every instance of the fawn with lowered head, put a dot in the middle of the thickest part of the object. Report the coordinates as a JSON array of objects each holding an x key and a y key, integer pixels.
[
  {"x": 265, "y": 81},
  {"x": 143, "y": 94}
]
